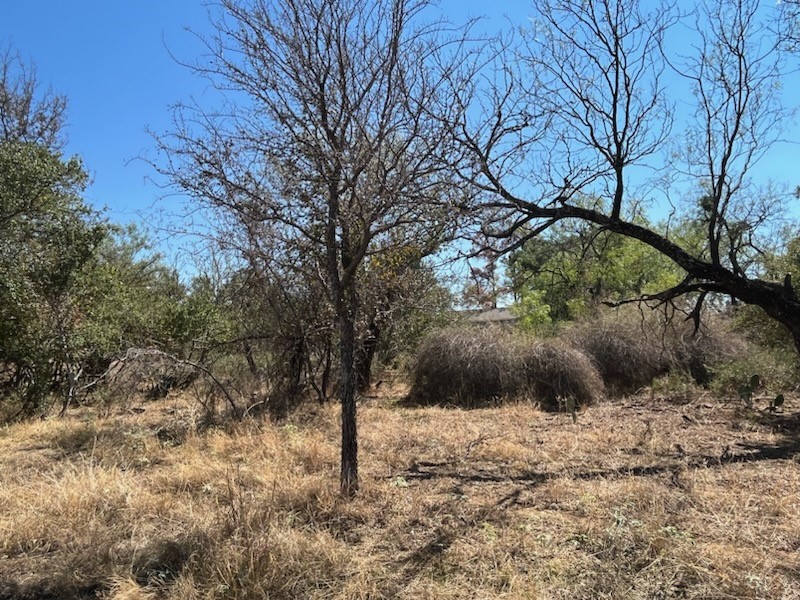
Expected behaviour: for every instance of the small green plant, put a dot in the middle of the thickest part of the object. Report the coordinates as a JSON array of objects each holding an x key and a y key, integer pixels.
[
  {"x": 746, "y": 390},
  {"x": 776, "y": 403},
  {"x": 570, "y": 405}
]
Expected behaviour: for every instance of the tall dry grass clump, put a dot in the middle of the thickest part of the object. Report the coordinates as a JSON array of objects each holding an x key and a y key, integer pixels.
[
  {"x": 627, "y": 355},
  {"x": 631, "y": 349},
  {"x": 701, "y": 353},
  {"x": 477, "y": 366},
  {"x": 555, "y": 372}
]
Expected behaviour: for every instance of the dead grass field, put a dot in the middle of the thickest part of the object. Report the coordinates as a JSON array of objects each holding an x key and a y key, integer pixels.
[{"x": 641, "y": 498}]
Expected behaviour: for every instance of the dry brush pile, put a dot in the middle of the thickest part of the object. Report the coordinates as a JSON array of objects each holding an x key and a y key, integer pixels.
[
  {"x": 620, "y": 354},
  {"x": 480, "y": 366},
  {"x": 630, "y": 350}
]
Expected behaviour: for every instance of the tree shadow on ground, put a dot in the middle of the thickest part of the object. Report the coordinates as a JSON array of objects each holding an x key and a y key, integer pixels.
[
  {"x": 462, "y": 472},
  {"x": 430, "y": 552}
]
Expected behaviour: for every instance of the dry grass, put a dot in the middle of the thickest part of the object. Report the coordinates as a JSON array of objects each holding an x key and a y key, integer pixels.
[
  {"x": 479, "y": 366},
  {"x": 630, "y": 349},
  {"x": 625, "y": 354},
  {"x": 641, "y": 499}
]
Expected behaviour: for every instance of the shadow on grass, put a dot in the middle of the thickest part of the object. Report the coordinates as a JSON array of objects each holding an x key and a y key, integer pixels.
[
  {"x": 43, "y": 590},
  {"x": 464, "y": 473},
  {"x": 429, "y": 554}
]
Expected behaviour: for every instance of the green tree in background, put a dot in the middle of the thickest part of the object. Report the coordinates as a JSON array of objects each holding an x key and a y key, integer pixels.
[
  {"x": 75, "y": 291},
  {"x": 48, "y": 239},
  {"x": 577, "y": 266}
]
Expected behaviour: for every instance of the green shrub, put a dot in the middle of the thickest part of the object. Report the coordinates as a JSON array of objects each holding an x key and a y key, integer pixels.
[{"x": 776, "y": 369}]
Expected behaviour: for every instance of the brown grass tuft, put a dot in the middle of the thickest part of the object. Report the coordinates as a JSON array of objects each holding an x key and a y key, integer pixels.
[{"x": 479, "y": 366}]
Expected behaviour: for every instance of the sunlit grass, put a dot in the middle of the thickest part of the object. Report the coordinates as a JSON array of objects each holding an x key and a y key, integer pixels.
[{"x": 638, "y": 499}]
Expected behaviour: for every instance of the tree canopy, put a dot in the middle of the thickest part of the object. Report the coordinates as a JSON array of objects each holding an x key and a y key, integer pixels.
[{"x": 581, "y": 105}]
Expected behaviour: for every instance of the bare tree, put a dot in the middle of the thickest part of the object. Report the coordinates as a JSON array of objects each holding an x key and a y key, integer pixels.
[
  {"x": 789, "y": 23},
  {"x": 591, "y": 110},
  {"x": 26, "y": 113},
  {"x": 325, "y": 153}
]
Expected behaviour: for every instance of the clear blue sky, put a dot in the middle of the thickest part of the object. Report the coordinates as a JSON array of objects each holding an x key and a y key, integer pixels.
[{"x": 112, "y": 60}]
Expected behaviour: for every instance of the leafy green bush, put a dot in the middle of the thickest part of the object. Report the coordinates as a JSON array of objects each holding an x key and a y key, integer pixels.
[{"x": 776, "y": 369}]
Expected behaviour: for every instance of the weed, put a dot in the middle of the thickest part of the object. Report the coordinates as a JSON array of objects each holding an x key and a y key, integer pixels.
[{"x": 746, "y": 390}]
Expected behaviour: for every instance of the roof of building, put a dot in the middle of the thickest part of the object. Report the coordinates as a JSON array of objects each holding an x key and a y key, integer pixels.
[{"x": 493, "y": 315}]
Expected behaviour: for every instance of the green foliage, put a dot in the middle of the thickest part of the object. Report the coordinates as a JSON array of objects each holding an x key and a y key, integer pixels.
[
  {"x": 74, "y": 290},
  {"x": 746, "y": 390},
  {"x": 776, "y": 369},
  {"x": 424, "y": 304},
  {"x": 532, "y": 310},
  {"x": 48, "y": 240},
  {"x": 568, "y": 272},
  {"x": 787, "y": 260},
  {"x": 140, "y": 302}
]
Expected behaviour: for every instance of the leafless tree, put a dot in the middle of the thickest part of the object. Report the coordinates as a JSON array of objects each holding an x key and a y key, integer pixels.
[
  {"x": 325, "y": 152},
  {"x": 789, "y": 23},
  {"x": 28, "y": 114},
  {"x": 590, "y": 109}
]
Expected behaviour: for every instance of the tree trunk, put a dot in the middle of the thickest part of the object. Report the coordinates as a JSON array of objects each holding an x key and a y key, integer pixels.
[
  {"x": 779, "y": 301},
  {"x": 349, "y": 470},
  {"x": 326, "y": 371},
  {"x": 365, "y": 357},
  {"x": 72, "y": 386},
  {"x": 796, "y": 337},
  {"x": 290, "y": 391},
  {"x": 296, "y": 362},
  {"x": 251, "y": 361}
]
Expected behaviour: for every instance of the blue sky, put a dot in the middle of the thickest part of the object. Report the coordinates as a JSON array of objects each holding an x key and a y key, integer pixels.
[{"x": 112, "y": 60}]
